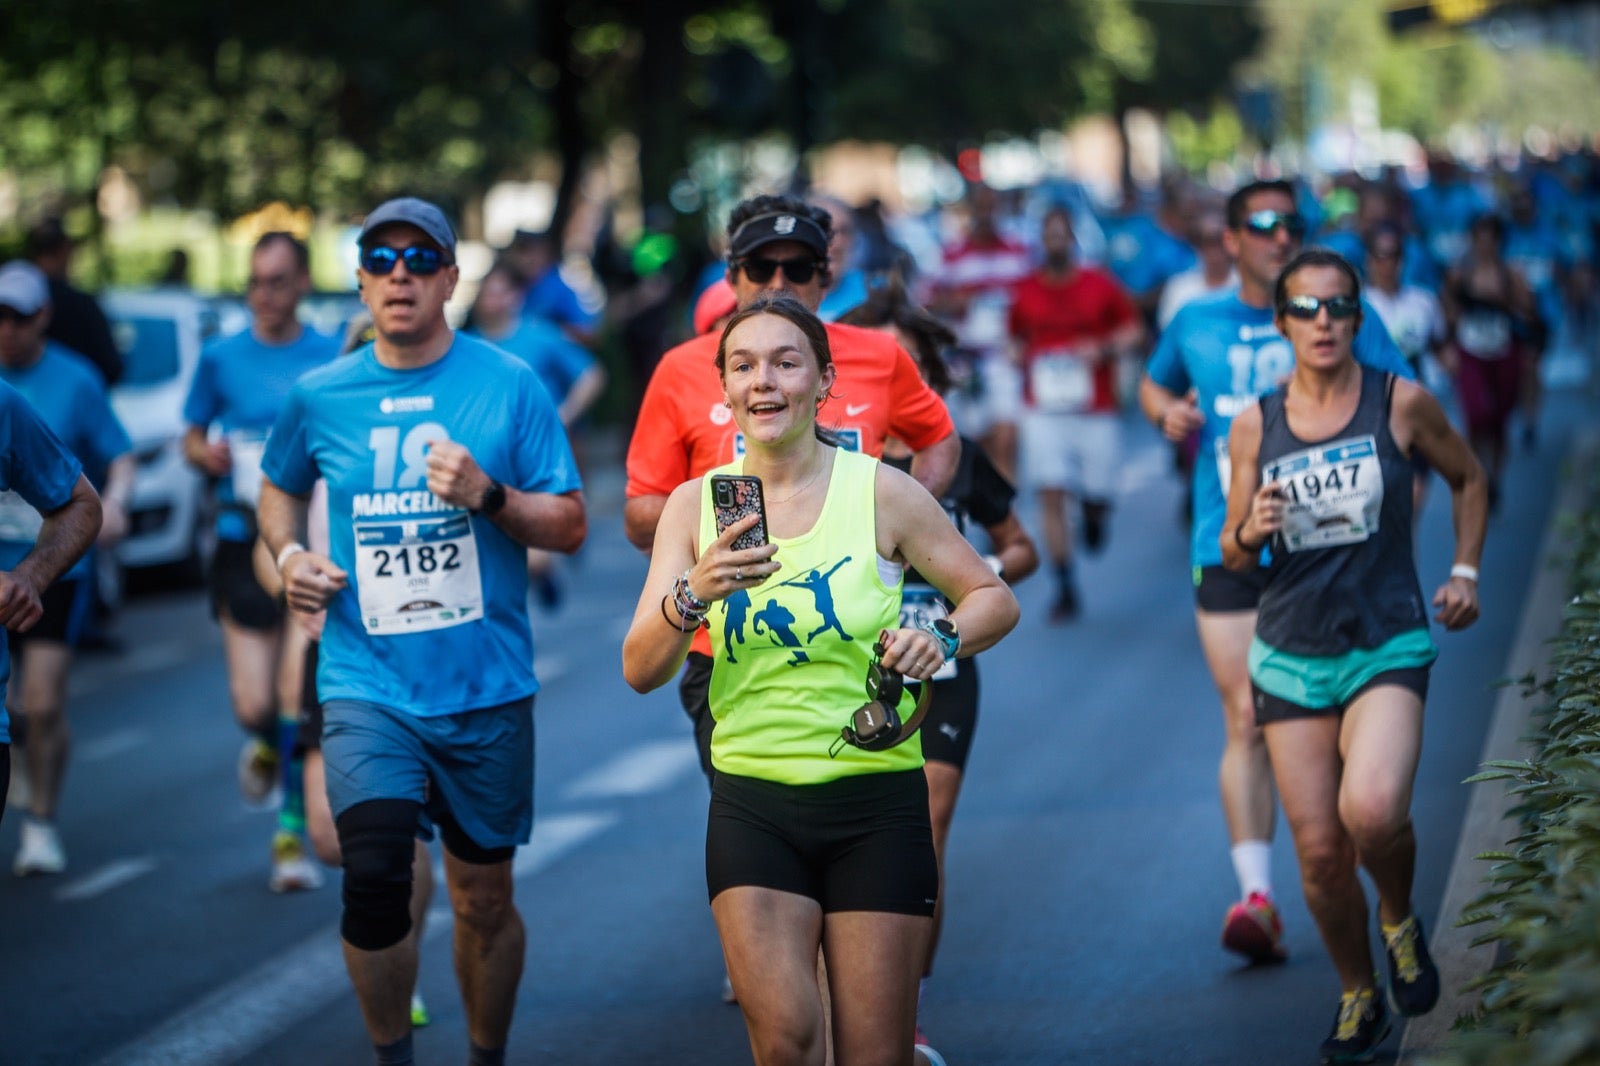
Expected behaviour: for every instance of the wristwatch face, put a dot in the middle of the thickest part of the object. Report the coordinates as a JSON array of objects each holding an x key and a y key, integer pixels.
[
  {"x": 493, "y": 499},
  {"x": 946, "y": 628}
]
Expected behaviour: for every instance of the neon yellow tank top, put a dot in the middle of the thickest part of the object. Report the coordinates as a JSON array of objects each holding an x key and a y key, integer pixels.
[{"x": 790, "y": 656}]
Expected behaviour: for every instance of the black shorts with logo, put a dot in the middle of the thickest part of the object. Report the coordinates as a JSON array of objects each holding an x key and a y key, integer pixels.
[{"x": 952, "y": 717}]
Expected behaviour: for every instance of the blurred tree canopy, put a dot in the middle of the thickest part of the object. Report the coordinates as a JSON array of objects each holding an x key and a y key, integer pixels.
[{"x": 224, "y": 107}]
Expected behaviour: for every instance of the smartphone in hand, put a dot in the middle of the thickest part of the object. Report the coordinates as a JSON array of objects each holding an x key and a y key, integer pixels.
[{"x": 733, "y": 496}]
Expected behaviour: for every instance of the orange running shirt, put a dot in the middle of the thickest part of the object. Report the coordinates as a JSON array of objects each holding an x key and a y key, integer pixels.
[{"x": 684, "y": 430}]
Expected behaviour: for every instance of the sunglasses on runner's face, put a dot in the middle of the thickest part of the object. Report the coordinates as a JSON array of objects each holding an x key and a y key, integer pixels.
[
  {"x": 419, "y": 259},
  {"x": 1266, "y": 223},
  {"x": 11, "y": 314},
  {"x": 1306, "y": 307},
  {"x": 760, "y": 271}
]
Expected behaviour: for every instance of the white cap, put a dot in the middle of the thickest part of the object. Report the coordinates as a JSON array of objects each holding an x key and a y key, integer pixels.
[{"x": 23, "y": 287}]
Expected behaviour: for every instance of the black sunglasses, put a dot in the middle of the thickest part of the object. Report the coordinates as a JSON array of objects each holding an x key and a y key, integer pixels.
[
  {"x": 11, "y": 314},
  {"x": 419, "y": 259},
  {"x": 1306, "y": 307},
  {"x": 760, "y": 271},
  {"x": 1266, "y": 223}
]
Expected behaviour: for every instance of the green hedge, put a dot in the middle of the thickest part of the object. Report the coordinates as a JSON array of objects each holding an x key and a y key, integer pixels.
[{"x": 1541, "y": 1001}]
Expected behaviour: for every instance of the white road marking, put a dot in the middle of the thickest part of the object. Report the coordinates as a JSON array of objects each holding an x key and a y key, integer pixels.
[
  {"x": 241, "y": 1017},
  {"x": 637, "y": 772},
  {"x": 111, "y": 745},
  {"x": 111, "y": 875}
]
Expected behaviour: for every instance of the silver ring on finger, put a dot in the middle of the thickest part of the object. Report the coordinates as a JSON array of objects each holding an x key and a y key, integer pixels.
[{"x": 738, "y": 574}]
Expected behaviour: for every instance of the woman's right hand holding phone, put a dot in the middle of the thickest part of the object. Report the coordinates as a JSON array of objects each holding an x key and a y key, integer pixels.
[{"x": 722, "y": 570}]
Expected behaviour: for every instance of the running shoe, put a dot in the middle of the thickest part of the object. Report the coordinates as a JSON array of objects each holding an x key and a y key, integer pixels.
[
  {"x": 1254, "y": 930},
  {"x": 19, "y": 797},
  {"x": 1358, "y": 1029},
  {"x": 1413, "y": 978},
  {"x": 292, "y": 869},
  {"x": 420, "y": 1018},
  {"x": 1065, "y": 609},
  {"x": 926, "y": 1056},
  {"x": 258, "y": 772},
  {"x": 1095, "y": 515},
  {"x": 40, "y": 851}
]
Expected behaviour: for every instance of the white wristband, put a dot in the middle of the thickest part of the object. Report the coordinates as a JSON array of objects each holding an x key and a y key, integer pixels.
[
  {"x": 995, "y": 565},
  {"x": 1463, "y": 570},
  {"x": 289, "y": 551}
]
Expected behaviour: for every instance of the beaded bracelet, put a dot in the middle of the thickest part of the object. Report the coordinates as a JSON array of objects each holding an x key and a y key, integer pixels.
[{"x": 681, "y": 588}]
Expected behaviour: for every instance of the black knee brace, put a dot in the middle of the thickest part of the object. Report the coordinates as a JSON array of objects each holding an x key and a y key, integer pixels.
[{"x": 376, "y": 839}]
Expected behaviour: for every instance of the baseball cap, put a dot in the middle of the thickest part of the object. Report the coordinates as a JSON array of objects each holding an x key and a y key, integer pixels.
[
  {"x": 777, "y": 226},
  {"x": 412, "y": 211},
  {"x": 23, "y": 287}
]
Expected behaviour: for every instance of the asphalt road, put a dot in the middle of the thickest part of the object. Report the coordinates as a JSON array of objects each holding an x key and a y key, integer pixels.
[{"x": 1087, "y": 879}]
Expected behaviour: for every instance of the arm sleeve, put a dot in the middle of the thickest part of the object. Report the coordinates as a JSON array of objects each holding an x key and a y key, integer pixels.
[
  {"x": 989, "y": 502},
  {"x": 1375, "y": 348},
  {"x": 918, "y": 416},
  {"x": 287, "y": 462},
  {"x": 658, "y": 455}
]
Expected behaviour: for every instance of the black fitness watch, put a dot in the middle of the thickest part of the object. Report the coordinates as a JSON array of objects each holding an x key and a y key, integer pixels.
[
  {"x": 494, "y": 498},
  {"x": 948, "y": 636}
]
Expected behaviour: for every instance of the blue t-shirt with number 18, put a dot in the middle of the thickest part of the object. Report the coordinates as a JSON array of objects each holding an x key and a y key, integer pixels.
[
  {"x": 1231, "y": 354},
  {"x": 435, "y": 618},
  {"x": 39, "y": 469}
]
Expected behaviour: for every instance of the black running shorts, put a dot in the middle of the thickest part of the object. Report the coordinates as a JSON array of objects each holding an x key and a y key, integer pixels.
[
  {"x": 952, "y": 717},
  {"x": 1222, "y": 591},
  {"x": 235, "y": 592},
  {"x": 68, "y": 606},
  {"x": 857, "y": 844}
]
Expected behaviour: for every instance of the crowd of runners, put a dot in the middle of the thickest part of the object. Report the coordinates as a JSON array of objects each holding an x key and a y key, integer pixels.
[{"x": 388, "y": 500}]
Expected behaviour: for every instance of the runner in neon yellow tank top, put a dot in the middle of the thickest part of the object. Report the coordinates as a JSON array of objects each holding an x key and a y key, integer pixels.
[{"x": 803, "y": 850}]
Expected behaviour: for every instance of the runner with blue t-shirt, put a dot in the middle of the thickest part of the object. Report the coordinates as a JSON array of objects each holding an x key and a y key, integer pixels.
[
  {"x": 36, "y": 468},
  {"x": 1219, "y": 354},
  {"x": 444, "y": 460},
  {"x": 70, "y": 396},
  {"x": 237, "y": 393}
]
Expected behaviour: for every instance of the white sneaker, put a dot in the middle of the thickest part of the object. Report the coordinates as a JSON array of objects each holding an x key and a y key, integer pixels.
[
  {"x": 292, "y": 869},
  {"x": 40, "y": 851},
  {"x": 258, "y": 773},
  {"x": 19, "y": 797}
]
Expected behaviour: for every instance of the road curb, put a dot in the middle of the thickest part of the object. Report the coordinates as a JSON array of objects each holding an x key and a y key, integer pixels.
[{"x": 1485, "y": 826}]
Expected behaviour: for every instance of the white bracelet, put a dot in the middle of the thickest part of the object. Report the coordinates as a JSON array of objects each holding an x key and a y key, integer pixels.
[
  {"x": 1463, "y": 570},
  {"x": 995, "y": 564},
  {"x": 289, "y": 551}
]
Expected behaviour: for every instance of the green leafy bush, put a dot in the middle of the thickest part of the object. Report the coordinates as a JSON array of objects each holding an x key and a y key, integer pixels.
[{"x": 1541, "y": 1000}]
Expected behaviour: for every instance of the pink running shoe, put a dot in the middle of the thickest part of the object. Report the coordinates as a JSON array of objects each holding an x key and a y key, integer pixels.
[{"x": 1254, "y": 930}]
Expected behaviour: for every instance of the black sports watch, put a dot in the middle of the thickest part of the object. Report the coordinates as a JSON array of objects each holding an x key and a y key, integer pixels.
[
  {"x": 494, "y": 498},
  {"x": 946, "y": 633}
]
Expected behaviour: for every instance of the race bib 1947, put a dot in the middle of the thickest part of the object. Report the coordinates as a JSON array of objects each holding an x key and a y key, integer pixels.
[
  {"x": 417, "y": 574},
  {"x": 1333, "y": 492}
]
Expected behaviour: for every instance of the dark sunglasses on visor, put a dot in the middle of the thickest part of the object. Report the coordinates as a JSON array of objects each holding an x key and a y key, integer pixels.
[
  {"x": 11, "y": 314},
  {"x": 760, "y": 271},
  {"x": 419, "y": 259},
  {"x": 1306, "y": 307},
  {"x": 1266, "y": 223}
]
